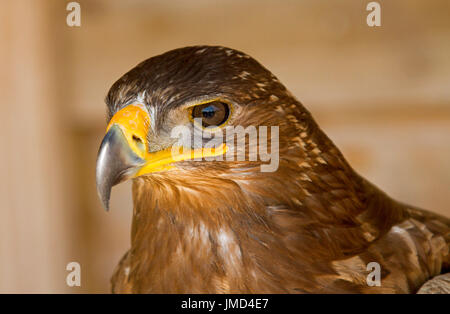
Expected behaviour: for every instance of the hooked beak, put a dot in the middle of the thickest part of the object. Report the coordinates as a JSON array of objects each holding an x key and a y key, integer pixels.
[
  {"x": 124, "y": 153},
  {"x": 116, "y": 162}
]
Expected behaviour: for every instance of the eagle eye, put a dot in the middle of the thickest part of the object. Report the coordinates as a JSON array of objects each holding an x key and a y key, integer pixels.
[{"x": 214, "y": 113}]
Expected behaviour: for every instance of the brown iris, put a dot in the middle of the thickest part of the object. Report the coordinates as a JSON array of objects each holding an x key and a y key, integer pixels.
[{"x": 213, "y": 113}]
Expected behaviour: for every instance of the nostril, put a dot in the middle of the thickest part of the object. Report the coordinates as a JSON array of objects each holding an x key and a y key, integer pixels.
[{"x": 139, "y": 142}]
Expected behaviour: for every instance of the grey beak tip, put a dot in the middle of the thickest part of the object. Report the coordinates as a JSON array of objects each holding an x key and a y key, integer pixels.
[
  {"x": 104, "y": 186},
  {"x": 115, "y": 163},
  {"x": 104, "y": 197},
  {"x": 106, "y": 206},
  {"x": 104, "y": 193},
  {"x": 103, "y": 174}
]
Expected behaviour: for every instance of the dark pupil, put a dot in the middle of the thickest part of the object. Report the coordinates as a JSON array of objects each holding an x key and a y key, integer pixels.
[
  {"x": 212, "y": 114},
  {"x": 209, "y": 111}
]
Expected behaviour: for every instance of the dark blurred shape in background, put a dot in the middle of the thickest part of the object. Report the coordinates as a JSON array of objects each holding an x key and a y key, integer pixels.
[{"x": 382, "y": 94}]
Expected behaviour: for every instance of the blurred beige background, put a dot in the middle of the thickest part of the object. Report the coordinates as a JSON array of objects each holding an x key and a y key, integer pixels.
[{"x": 382, "y": 94}]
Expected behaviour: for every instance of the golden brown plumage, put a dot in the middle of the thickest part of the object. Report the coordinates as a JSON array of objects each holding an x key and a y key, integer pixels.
[{"x": 312, "y": 226}]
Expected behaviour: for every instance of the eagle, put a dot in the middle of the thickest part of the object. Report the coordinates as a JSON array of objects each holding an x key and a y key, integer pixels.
[{"x": 206, "y": 220}]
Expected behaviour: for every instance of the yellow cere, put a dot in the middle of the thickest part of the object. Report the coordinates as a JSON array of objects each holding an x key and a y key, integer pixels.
[{"x": 134, "y": 123}]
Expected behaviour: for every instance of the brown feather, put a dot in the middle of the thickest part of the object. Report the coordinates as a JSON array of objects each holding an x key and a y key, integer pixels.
[{"x": 225, "y": 227}]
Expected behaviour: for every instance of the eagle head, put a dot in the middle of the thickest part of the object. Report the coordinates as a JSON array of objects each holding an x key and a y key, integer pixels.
[{"x": 201, "y": 117}]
